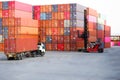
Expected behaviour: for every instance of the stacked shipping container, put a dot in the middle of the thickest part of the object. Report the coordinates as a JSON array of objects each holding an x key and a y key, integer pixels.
[
  {"x": 19, "y": 30},
  {"x": 92, "y": 16},
  {"x": 100, "y": 27},
  {"x": 58, "y": 25},
  {"x": 107, "y": 36}
]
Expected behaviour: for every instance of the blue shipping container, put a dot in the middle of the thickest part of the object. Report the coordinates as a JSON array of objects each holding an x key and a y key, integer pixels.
[
  {"x": 49, "y": 16},
  {"x": 5, "y": 5},
  {"x": 54, "y": 8},
  {"x": 0, "y": 22},
  {"x": 43, "y": 16},
  {"x": 48, "y": 39},
  {"x": 1, "y": 30},
  {"x": 67, "y": 31},
  {"x": 5, "y": 32}
]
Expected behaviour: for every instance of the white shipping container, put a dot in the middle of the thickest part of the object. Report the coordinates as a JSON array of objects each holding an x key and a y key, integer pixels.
[
  {"x": 1, "y": 38},
  {"x": 100, "y": 21},
  {"x": 66, "y": 23}
]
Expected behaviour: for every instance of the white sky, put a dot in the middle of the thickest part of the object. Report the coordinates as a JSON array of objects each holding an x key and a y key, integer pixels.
[{"x": 108, "y": 7}]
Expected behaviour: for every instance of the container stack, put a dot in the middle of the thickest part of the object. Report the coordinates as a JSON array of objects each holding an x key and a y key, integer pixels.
[
  {"x": 100, "y": 27},
  {"x": 92, "y": 16},
  {"x": 19, "y": 30},
  {"x": 107, "y": 36},
  {"x": 115, "y": 40},
  {"x": 58, "y": 25}
]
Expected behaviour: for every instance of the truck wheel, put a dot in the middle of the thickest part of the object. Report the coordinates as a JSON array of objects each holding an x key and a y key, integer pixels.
[
  {"x": 33, "y": 54},
  {"x": 42, "y": 53}
]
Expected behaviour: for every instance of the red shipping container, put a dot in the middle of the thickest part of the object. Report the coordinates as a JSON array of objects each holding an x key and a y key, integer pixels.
[
  {"x": 73, "y": 38},
  {"x": 36, "y": 8},
  {"x": 5, "y": 13},
  {"x": 66, "y": 47},
  {"x": 60, "y": 47},
  {"x": 60, "y": 23},
  {"x": 67, "y": 15},
  {"x": 60, "y": 39},
  {"x": 73, "y": 47},
  {"x": 54, "y": 31},
  {"x": 66, "y": 39},
  {"x": 37, "y": 15},
  {"x": 54, "y": 47},
  {"x": 54, "y": 39}
]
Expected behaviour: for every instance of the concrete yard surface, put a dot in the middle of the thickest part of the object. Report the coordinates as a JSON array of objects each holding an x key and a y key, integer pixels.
[{"x": 63, "y": 65}]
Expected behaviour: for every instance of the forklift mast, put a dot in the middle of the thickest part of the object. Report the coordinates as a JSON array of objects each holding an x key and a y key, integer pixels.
[{"x": 85, "y": 34}]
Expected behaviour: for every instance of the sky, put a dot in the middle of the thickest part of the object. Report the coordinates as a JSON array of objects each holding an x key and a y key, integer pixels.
[{"x": 110, "y": 8}]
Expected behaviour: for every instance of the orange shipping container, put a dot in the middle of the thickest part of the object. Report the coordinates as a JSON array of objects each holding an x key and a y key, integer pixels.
[
  {"x": 0, "y": 13},
  {"x": 60, "y": 15},
  {"x": 60, "y": 31},
  {"x": 29, "y": 22},
  {"x": 54, "y": 23},
  {"x": 92, "y": 39},
  {"x": 80, "y": 44},
  {"x": 0, "y": 5},
  {"x": 92, "y": 12},
  {"x": 107, "y": 45},
  {"x": 48, "y": 31},
  {"x": 54, "y": 15},
  {"x": 1, "y": 46},
  {"x": 48, "y": 47},
  {"x": 28, "y": 30},
  {"x": 66, "y": 47}
]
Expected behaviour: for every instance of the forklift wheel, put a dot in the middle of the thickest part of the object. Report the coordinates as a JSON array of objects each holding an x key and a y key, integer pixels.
[{"x": 100, "y": 50}]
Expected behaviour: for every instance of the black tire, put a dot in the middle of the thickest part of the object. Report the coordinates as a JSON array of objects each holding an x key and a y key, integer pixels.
[
  {"x": 42, "y": 53},
  {"x": 33, "y": 54},
  {"x": 100, "y": 50},
  {"x": 18, "y": 57}
]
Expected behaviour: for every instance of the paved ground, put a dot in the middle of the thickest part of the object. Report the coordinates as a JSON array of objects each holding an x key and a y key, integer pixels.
[{"x": 64, "y": 66}]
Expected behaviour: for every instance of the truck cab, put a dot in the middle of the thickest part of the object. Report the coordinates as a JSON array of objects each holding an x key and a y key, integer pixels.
[{"x": 41, "y": 48}]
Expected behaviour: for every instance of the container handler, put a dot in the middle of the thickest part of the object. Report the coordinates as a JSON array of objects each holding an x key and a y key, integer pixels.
[{"x": 97, "y": 46}]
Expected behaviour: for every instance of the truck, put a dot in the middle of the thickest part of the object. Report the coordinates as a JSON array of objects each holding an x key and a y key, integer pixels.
[{"x": 33, "y": 53}]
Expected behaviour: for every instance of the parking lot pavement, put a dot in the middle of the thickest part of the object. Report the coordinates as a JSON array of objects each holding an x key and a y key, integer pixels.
[{"x": 58, "y": 65}]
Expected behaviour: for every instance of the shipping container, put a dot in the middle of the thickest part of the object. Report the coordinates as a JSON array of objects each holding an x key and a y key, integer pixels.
[
  {"x": 1, "y": 47},
  {"x": 77, "y": 7}
]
